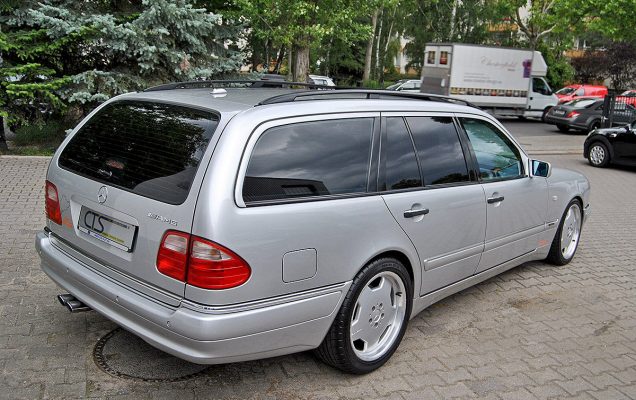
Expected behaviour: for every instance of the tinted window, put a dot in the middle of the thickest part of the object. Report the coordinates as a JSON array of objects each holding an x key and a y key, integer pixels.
[
  {"x": 400, "y": 164},
  {"x": 496, "y": 155},
  {"x": 439, "y": 150},
  {"x": 583, "y": 103},
  {"x": 146, "y": 148},
  {"x": 310, "y": 159}
]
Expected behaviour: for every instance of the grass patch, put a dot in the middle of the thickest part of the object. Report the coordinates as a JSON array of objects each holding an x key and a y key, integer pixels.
[
  {"x": 28, "y": 151},
  {"x": 36, "y": 140},
  {"x": 49, "y": 134}
]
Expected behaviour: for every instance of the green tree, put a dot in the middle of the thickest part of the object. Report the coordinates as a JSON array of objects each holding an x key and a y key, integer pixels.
[
  {"x": 61, "y": 53},
  {"x": 299, "y": 25},
  {"x": 464, "y": 21},
  {"x": 30, "y": 71}
]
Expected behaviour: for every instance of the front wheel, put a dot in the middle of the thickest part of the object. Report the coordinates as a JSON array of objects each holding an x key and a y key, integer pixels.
[
  {"x": 598, "y": 155},
  {"x": 372, "y": 320},
  {"x": 545, "y": 113},
  {"x": 566, "y": 240}
]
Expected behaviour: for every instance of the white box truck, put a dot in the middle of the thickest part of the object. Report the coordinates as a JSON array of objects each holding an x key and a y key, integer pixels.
[{"x": 503, "y": 81}]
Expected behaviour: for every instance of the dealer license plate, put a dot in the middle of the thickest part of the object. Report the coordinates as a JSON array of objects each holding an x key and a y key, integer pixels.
[
  {"x": 107, "y": 229},
  {"x": 559, "y": 112}
]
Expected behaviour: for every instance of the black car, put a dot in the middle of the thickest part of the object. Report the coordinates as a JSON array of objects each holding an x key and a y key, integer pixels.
[
  {"x": 585, "y": 113},
  {"x": 611, "y": 145}
]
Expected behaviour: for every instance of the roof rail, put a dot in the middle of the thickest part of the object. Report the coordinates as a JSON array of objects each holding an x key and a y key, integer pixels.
[
  {"x": 265, "y": 83},
  {"x": 345, "y": 93}
]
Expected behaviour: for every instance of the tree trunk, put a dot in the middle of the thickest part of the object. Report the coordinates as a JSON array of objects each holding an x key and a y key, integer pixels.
[
  {"x": 290, "y": 63},
  {"x": 301, "y": 66},
  {"x": 3, "y": 139},
  {"x": 368, "y": 55},
  {"x": 377, "y": 46},
  {"x": 279, "y": 59}
]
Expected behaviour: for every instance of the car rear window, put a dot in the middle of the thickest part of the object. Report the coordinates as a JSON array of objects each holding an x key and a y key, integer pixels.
[
  {"x": 582, "y": 103},
  {"x": 151, "y": 149}
]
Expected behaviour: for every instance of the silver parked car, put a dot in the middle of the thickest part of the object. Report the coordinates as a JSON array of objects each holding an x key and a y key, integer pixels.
[{"x": 229, "y": 225}]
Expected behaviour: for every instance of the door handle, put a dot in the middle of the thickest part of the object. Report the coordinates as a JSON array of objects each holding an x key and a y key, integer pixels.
[
  {"x": 415, "y": 213},
  {"x": 495, "y": 199}
]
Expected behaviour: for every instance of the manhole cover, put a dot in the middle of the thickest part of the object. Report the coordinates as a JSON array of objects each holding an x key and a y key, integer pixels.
[{"x": 124, "y": 355}]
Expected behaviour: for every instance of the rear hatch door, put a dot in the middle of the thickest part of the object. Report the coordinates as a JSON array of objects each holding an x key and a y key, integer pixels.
[{"x": 124, "y": 179}]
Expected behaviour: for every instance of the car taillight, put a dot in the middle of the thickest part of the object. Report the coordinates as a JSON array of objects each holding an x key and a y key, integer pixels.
[
  {"x": 572, "y": 114},
  {"x": 172, "y": 258},
  {"x": 200, "y": 262},
  {"x": 212, "y": 266},
  {"x": 52, "y": 203}
]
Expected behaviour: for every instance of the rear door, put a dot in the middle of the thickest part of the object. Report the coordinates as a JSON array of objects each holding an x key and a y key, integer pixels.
[
  {"x": 516, "y": 204},
  {"x": 433, "y": 196},
  {"x": 124, "y": 179}
]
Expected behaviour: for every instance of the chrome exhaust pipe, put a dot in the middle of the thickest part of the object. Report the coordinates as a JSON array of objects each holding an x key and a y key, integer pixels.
[
  {"x": 74, "y": 305},
  {"x": 77, "y": 306},
  {"x": 65, "y": 298}
]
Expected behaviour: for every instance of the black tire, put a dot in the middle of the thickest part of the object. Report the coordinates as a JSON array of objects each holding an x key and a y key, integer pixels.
[
  {"x": 555, "y": 256},
  {"x": 594, "y": 125},
  {"x": 336, "y": 348},
  {"x": 563, "y": 128},
  {"x": 545, "y": 112},
  {"x": 598, "y": 155}
]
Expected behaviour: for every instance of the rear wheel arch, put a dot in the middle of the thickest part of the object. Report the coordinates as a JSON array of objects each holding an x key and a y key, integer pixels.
[
  {"x": 594, "y": 124},
  {"x": 398, "y": 255}
]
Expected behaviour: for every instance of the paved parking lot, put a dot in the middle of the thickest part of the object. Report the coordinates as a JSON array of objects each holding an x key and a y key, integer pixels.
[{"x": 534, "y": 332}]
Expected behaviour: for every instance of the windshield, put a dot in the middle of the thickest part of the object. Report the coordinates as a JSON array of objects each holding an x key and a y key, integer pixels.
[
  {"x": 566, "y": 91},
  {"x": 395, "y": 86},
  {"x": 629, "y": 93}
]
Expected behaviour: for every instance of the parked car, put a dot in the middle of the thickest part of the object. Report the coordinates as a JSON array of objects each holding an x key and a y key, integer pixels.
[
  {"x": 406, "y": 85},
  {"x": 223, "y": 225},
  {"x": 585, "y": 114},
  {"x": 611, "y": 146},
  {"x": 321, "y": 80},
  {"x": 628, "y": 96},
  {"x": 572, "y": 91}
]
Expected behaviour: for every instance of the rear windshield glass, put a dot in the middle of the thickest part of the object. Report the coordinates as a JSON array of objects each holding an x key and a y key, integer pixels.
[
  {"x": 150, "y": 149},
  {"x": 582, "y": 103}
]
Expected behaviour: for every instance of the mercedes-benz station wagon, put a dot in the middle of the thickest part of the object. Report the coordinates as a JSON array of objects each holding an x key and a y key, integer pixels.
[{"x": 223, "y": 225}]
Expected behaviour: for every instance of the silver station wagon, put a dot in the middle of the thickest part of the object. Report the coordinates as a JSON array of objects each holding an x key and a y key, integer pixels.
[{"x": 223, "y": 225}]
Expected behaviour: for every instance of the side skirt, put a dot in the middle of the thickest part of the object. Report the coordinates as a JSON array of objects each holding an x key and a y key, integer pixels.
[{"x": 427, "y": 300}]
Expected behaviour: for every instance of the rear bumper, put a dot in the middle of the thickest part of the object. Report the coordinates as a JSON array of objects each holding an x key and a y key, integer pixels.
[
  {"x": 554, "y": 120},
  {"x": 198, "y": 333}
]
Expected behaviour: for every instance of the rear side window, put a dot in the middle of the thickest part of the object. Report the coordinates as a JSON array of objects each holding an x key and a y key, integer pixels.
[
  {"x": 310, "y": 159},
  {"x": 150, "y": 149},
  {"x": 439, "y": 150},
  {"x": 398, "y": 158}
]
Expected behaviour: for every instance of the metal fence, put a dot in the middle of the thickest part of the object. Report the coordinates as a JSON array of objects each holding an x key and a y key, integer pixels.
[{"x": 618, "y": 110}]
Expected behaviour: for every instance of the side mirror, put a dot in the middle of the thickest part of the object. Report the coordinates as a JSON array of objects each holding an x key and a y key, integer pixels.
[{"x": 539, "y": 168}]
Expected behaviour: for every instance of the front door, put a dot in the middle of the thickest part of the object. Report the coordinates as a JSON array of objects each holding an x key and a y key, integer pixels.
[
  {"x": 516, "y": 204},
  {"x": 624, "y": 145},
  {"x": 432, "y": 196}
]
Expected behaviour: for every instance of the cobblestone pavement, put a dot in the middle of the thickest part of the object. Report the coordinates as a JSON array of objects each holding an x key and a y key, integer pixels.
[{"x": 534, "y": 332}]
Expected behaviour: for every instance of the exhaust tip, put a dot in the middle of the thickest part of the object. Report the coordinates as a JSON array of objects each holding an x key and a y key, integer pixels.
[
  {"x": 77, "y": 306},
  {"x": 65, "y": 298},
  {"x": 71, "y": 303}
]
